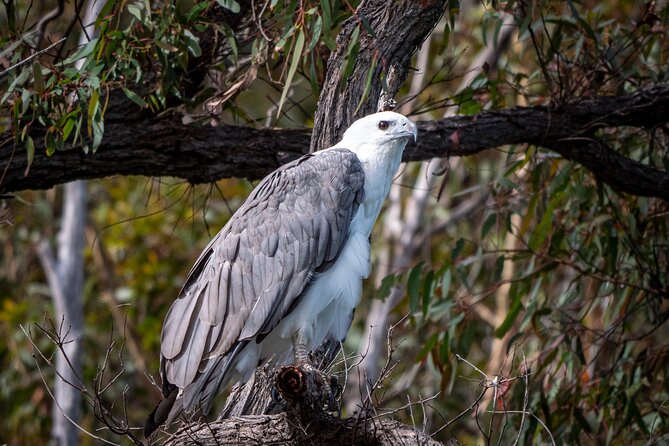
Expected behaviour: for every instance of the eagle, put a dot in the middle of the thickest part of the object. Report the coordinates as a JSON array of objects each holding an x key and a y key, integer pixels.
[{"x": 286, "y": 271}]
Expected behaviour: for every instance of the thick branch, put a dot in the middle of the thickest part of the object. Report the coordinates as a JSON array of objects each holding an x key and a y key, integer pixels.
[
  {"x": 136, "y": 144},
  {"x": 280, "y": 430}
]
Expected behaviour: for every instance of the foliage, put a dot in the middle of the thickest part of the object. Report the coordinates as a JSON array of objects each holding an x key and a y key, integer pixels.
[{"x": 553, "y": 277}]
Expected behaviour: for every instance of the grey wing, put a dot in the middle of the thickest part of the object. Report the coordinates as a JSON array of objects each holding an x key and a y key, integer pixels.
[{"x": 293, "y": 224}]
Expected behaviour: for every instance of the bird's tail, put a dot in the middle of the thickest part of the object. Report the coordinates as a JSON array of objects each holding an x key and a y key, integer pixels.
[
  {"x": 160, "y": 414},
  {"x": 198, "y": 395}
]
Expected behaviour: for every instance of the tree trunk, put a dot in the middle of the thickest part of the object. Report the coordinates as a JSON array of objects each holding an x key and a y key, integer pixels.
[
  {"x": 66, "y": 278},
  {"x": 399, "y": 29}
]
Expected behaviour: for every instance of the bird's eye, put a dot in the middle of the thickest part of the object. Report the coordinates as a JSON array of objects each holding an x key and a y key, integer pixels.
[{"x": 383, "y": 125}]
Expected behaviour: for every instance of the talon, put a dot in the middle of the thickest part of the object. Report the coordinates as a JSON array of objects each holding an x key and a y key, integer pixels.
[
  {"x": 276, "y": 395},
  {"x": 334, "y": 385},
  {"x": 334, "y": 393}
]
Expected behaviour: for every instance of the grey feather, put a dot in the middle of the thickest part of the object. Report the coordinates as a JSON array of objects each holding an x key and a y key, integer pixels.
[{"x": 252, "y": 274}]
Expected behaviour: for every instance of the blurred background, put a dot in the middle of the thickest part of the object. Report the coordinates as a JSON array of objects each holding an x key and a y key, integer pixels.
[{"x": 515, "y": 282}]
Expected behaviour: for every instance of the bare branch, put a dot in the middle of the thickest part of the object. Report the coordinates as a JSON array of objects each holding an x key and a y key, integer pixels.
[{"x": 31, "y": 57}]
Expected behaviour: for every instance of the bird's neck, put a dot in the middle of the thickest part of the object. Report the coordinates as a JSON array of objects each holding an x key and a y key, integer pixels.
[{"x": 380, "y": 165}]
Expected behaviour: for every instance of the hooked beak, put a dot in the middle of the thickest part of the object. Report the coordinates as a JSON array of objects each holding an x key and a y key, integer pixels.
[{"x": 409, "y": 129}]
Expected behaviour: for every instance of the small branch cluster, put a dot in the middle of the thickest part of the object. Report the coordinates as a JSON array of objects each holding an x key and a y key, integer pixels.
[{"x": 113, "y": 415}]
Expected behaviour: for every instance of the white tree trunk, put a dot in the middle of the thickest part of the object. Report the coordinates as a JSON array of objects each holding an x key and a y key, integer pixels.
[{"x": 65, "y": 275}]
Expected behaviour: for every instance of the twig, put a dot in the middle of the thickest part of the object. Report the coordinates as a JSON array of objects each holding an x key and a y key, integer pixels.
[
  {"x": 526, "y": 398},
  {"x": 460, "y": 358},
  {"x": 408, "y": 405},
  {"x": 657, "y": 415},
  {"x": 48, "y": 389},
  {"x": 538, "y": 420},
  {"x": 461, "y": 414},
  {"x": 31, "y": 57}
]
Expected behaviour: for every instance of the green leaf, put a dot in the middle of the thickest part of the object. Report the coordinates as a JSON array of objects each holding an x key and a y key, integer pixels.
[
  {"x": 446, "y": 282},
  {"x": 93, "y": 107},
  {"x": 30, "y": 149},
  {"x": 326, "y": 12},
  {"x": 196, "y": 11},
  {"x": 17, "y": 82},
  {"x": 67, "y": 129},
  {"x": 499, "y": 267},
  {"x": 135, "y": 11},
  {"x": 429, "y": 345},
  {"x": 385, "y": 287},
  {"x": 95, "y": 121},
  {"x": 193, "y": 43},
  {"x": 367, "y": 26},
  {"x": 541, "y": 232},
  {"x": 166, "y": 46},
  {"x": 458, "y": 249},
  {"x": 10, "y": 49},
  {"x": 488, "y": 224},
  {"x": 53, "y": 141},
  {"x": 98, "y": 131},
  {"x": 230, "y": 38},
  {"x": 230, "y": 5},
  {"x": 134, "y": 97},
  {"x": 510, "y": 317},
  {"x": 413, "y": 286},
  {"x": 351, "y": 56},
  {"x": 297, "y": 55},
  {"x": 38, "y": 78},
  {"x": 25, "y": 100},
  {"x": 77, "y": 131},
  {"x": 316, "y": 30},
  {"x": 82, "y": 52},
  {"x": 427, "y": 292}
]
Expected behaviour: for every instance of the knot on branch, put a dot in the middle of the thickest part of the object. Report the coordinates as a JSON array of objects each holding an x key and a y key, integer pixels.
[{"x": 306, "y": 390}]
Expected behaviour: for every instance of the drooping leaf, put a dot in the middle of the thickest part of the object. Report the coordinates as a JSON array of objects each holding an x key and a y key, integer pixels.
[
  {"x": 30, "y": 151},
  {"x": 413, "y": 286},
  {"x": 295, "y": 62}
]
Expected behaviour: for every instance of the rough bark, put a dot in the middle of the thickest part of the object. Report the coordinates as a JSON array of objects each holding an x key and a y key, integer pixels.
[
  {"x": 140, "y": 144},
  {"x": 280, "y": 429},
  {"x": 297, "y": 417},
  {"x": 398, "y": 32}
]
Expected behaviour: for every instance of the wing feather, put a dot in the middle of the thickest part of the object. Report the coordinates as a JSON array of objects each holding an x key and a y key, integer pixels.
[{"x": 253, "y": 272}]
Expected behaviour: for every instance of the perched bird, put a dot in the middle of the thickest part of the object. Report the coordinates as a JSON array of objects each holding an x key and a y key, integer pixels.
[{"x": 285, "y": 272}]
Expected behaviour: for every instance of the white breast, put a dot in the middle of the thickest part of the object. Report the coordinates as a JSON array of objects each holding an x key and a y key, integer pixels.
[{"x": 328, "y": 304}]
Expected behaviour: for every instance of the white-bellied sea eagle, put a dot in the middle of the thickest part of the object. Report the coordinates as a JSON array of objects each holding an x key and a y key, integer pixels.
[{"x": 285, "y": 271}]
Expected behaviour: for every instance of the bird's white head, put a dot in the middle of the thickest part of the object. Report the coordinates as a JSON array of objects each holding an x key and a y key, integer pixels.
[{"x": 380, "y": 131}]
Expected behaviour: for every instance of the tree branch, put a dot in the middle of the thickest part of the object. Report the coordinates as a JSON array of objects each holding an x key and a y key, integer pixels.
[
  {"x": 280, "y": 430},
  {"x": 137, "y": 143}
]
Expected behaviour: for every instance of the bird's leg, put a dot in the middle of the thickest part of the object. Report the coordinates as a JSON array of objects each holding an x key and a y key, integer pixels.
[
  {"x": 300, "y": 352},
  {"x": 304, "y": 385}
]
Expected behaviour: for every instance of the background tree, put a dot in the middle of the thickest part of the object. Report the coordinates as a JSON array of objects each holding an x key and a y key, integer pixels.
[{"x": 540, "y": 235}]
